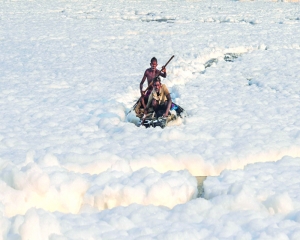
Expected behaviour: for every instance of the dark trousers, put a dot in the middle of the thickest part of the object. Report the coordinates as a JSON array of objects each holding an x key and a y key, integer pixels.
[{"x": 160, "y": 109}]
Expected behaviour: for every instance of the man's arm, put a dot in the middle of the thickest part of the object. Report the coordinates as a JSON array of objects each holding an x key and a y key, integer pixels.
[
  {"x": 163, "y": 72},
  {"x": 168, "y": 105},
  {"x": 146, "y": 109},
  {"x": 142, "y": 83},
  {"x": 149, "y": 103}
]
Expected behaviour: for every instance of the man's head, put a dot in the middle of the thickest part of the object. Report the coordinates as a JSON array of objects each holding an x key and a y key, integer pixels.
[
  {"x": 157, "y": 84},
  {"x": 153, "y": 63}
]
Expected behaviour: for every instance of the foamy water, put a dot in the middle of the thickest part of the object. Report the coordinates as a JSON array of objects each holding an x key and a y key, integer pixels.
[{"x": 73, "y": 165}]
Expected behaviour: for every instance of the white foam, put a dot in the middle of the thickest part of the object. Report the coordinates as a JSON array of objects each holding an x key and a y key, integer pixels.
[{"x": 70, "y": 71}]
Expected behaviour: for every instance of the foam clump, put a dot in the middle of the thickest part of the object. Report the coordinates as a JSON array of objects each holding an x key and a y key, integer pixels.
[
  {"x": 260, "y": 186},
  {"x": 145, "y": 186},
  {"x": 69, "y": 192}
]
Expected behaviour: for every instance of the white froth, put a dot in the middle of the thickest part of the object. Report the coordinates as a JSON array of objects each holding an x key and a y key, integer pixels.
[{"x": 74, "y": 165}]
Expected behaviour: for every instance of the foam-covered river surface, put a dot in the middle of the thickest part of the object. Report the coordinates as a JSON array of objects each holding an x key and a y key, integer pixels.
[{"x": 74, "y": 166}]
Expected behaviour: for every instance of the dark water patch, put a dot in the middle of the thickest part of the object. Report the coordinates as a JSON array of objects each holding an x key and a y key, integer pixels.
[
  {"x": 161, "y": 20},
  {"x": 200, "y": 180},
  {"x": 228, "y": 57}
]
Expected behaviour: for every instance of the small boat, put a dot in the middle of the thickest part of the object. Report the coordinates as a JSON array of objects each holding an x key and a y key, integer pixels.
[{"x": 154, "y": 119}]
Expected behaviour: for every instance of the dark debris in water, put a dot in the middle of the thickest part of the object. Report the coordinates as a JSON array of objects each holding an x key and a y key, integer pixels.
[
  {"x": 228, "y": 57},
  {"x": 210, "y": 62}
]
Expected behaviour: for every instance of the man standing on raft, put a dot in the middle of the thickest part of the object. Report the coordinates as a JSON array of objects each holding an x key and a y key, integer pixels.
[{"x": 150, "y": 74}]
